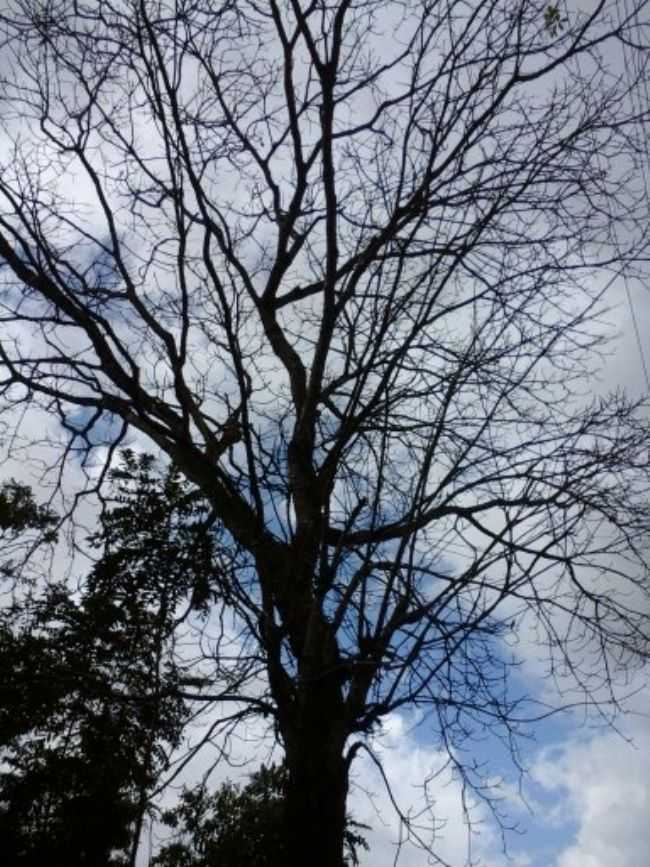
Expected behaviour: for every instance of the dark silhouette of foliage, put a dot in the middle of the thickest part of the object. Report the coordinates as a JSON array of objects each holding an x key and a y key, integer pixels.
[
  {"x": 20, "y": 512},
  {"x": 23, "y": 524},
  {"x": 91, "y": 691},
  {"x": 237, "y": 825}
]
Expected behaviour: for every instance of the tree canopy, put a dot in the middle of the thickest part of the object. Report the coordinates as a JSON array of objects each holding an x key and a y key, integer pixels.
[
  {"x": 346, "y": 265},
  {"x": 92, "y": 696}
]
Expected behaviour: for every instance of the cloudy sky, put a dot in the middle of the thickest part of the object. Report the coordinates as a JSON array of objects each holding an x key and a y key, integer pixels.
[
  {"x": 584, "y": 800},
  {"x": 584, "y": 797}
]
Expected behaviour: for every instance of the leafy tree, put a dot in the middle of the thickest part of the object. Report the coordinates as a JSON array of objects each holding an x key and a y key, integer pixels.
[
  {"x": 345, "y": 263},
  {"x": 92, "y": 693},
  {"x": 553, "y": 20},
  {"x": 20, "y": 512},
  {"x": 24, "y": 524},
  {"x": 238, "y": 825}
]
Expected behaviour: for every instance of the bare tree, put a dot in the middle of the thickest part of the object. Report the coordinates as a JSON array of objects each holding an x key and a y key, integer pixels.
[{"x": 345, "y": 263}]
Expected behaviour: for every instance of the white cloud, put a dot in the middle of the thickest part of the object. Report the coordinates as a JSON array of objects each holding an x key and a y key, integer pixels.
[
  {"x": 603, "y": 786},
  {"x": 407, "y": 763}
]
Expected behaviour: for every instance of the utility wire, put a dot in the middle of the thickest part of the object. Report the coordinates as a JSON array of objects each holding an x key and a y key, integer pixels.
[
  {"x": 633, "y": 68},
  {"x": 637, "y": 332}
]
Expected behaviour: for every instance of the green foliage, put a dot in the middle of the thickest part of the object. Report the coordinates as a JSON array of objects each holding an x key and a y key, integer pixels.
[
  {"x": 238, "y": 825},
  {"x": 91, "y": 702},
  {"x": 23, "y": 523},
  {"x": 68, "y": 804},
  {"x": 156, "y": 537},
  {"x": 77, "y": 731},
  {"x": 92, "y": 692},
  {"x": 553, "y": 20},
  {"x": 19, "y": 510}
]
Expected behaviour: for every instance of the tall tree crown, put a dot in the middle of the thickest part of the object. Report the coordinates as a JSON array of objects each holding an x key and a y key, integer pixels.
[{"x": 345, "y": 264}]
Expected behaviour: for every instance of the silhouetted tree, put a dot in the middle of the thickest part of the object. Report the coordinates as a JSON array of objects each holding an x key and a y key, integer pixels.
[
  {"x": 345, "y": 264},
  {"x": 238, "y": 825},
  {"x": 92, "y": 694},
  {"x": 24, "y": 524}
]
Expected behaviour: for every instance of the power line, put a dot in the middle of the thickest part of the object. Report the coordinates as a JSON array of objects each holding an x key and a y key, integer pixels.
[
  {"x": 632, "y": 67},
  {"x": 637, "y": 332}
]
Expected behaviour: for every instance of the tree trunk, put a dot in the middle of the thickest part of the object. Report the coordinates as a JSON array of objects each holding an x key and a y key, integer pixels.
[
  {"x": 313, "y": 724},
  {"x": 316, "y": 800}
]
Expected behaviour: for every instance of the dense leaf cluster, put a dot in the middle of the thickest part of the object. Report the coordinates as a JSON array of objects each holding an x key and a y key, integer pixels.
[
  {"x": 238, "y": 825},
  {"x": 91, "y": 698}
]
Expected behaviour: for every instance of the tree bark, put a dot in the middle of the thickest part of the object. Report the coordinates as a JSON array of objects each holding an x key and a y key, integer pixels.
[
  {"x": 314, "y": 737},
  {"x": 316, "y": 798}
]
